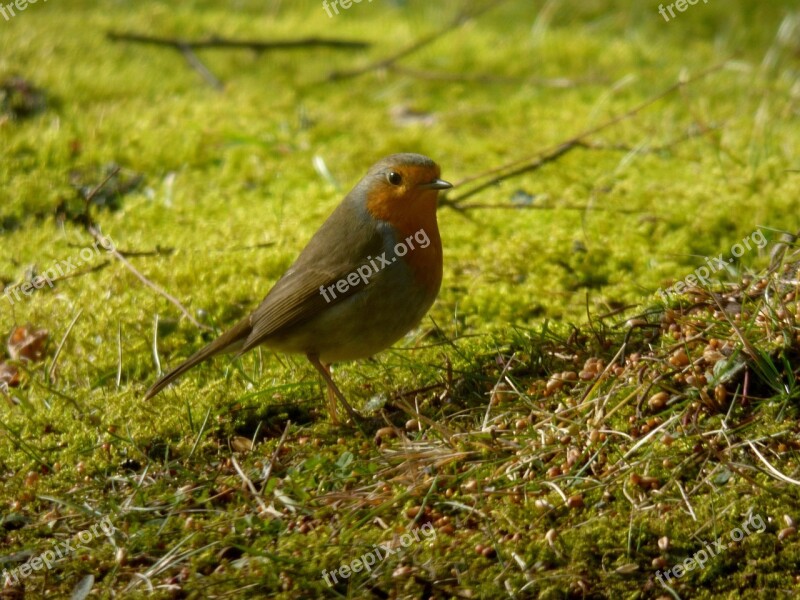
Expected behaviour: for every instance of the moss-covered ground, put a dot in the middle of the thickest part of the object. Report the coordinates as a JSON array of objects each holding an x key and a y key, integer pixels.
[{"x": 555, "y": 428}]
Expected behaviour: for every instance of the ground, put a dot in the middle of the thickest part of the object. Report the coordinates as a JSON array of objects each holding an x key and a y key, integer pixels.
[{"x": 604, "y": 395}]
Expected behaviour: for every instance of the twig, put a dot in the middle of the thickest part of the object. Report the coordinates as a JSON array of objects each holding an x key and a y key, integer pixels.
[
  {"x": 525, "y": 165},
  {"x": 119, "y": 354},
  {"x": 775, "y": 472},
  {"x": 548, "y": 157},
  {"x": 87, "y": 219},
  {"x": 389, "y": 61},
  {"x": 386, "y": 62},
  {"x": 532, "y": 207},
  {"x": 589, "y": 146},
  {"x": 159, "y": 251},
  {"x": 265, "y": 510},
  {"x": 218, "y": 42},
  {"x": 268, "y": 468},
  {"x": 155, "y": 287},
  {"x": 686, "y": 500},
  {"x": 199, "y": 66},
  {"x": 556, "y": 82},
  {"x": 187, "y": 48},
  {"x": 500, "y": 379},
  {"x": 97, "y": 267},
  {"x": 155, "y": 346},
  {"x": 95, "y": 233},
  {"x": 87, "y": 201},
  {"x": 52, "y": 369},
  {"x": 417, "y": 391}
]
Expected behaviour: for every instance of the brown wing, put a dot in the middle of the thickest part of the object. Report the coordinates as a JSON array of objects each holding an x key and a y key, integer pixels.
[{"x": 296, "y": 297}]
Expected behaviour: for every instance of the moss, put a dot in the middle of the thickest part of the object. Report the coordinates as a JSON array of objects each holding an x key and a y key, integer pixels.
[{"x": 229, "y": 195}]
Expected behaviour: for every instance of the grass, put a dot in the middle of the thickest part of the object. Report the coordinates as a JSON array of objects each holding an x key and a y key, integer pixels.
[{"x": 565, "y": 430}]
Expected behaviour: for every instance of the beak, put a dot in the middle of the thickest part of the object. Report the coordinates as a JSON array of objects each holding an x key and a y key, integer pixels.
[{"x": 437, "y": 184}]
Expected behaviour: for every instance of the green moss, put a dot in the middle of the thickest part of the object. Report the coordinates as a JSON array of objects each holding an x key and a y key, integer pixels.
[{"x": 229, "y": 197}]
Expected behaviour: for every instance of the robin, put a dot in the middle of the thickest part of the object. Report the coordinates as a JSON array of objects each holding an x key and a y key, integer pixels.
[{"x": 366, "y": 278}]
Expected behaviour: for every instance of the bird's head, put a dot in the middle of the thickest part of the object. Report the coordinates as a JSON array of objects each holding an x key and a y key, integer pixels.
[{"x": 402, "y": 190}]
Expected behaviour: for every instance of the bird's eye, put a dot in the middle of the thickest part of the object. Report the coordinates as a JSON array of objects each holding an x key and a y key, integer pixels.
[{"x": 394, "y": 178}]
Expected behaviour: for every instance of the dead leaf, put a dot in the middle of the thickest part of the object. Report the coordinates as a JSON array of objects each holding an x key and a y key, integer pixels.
[
  {"x": 9, "y": 376},
  {"x": 27, "y": 343}
]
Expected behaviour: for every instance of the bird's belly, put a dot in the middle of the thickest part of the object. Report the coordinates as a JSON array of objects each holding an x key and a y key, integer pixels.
[{"x": 363, "y": 324}]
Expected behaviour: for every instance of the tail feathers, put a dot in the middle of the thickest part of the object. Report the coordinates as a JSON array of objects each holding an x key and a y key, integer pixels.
[{"x": 228, "y": 341}]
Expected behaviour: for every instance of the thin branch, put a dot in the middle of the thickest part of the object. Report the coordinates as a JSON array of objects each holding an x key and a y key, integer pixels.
[
  {"x": 199, "y": 66},
  {"x": 588, "y": 145},
  {"x": 386, "y": 62},
  {"x": 87, "y": 201},
  {"x": 268, "y": 468},
  {"x": 86, "y": 271},
  {"x": 548, "y": 157},
  {"x": 159, "y": 251},
  {"x": 775, "y": 472},
  {"x": 218, "y": 42},
  {"x": 259, "y": 500},
  {"x": 119, "y": 354},
  {"x": 95, "y": 233},
  {"x": 627, "y": 211},
  {"x": 155, "y": 349},
  {"x": 86, "y": 210},
  {"x": 555, "y": 82},
  {"x": 187, "y": 48},
  {"x": 153, "y": 286},
  {"x": 389, "y": 61},
  {"x": 525, "y": 165},
  {"x": 51, "y": 371}
]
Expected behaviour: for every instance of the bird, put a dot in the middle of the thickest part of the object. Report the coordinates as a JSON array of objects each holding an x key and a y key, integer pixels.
[{"x": 366, "y": 278}]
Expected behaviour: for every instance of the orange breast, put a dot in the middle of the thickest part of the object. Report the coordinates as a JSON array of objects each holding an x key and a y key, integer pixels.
[{"x": 408, "y": 215}]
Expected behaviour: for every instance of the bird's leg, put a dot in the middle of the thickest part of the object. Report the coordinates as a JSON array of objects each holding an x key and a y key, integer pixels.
[
  {"x": 333, "y": 391},
  {"x": 331, "y": 403}
]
